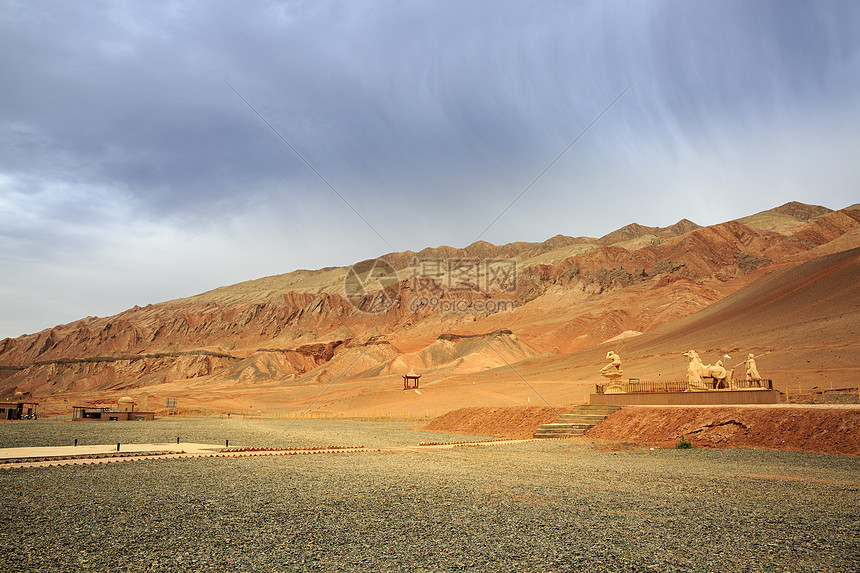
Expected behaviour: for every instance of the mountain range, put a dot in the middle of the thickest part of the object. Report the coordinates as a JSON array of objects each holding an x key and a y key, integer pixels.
[{"x": 483, "y": 325}]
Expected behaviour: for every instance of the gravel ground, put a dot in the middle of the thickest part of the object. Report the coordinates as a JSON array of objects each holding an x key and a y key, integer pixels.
[{"x": 556, "y": 505}]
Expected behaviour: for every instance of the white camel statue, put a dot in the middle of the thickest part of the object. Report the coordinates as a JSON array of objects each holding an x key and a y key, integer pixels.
[{"x": 696, "y": 371}]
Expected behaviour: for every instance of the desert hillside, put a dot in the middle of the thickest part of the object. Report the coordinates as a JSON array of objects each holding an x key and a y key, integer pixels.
[{"x": 485, "y": 325}]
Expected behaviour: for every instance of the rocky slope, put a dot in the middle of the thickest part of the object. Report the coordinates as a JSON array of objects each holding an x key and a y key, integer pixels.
[{"x": 570, "y": 294}]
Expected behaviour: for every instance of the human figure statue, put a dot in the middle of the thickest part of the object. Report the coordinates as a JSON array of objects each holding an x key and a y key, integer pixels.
[
  {"x": 613, "y": 369},
  {"x": 613, "y": 372},
  {"x": 752, "y": 371}
]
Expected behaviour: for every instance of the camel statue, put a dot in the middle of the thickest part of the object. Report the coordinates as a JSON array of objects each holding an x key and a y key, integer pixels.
[{"x": 696, "y": 372}]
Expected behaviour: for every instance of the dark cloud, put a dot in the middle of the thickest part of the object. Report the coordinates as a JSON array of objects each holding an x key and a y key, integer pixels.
[{"x": 427, "y": 117}]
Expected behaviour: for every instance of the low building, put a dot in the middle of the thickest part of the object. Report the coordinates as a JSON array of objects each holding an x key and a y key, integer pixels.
[
  {"x": 123, "y": 412},
  {"x": 87, "y": 413},
  {"x": 18, "y": 410}
]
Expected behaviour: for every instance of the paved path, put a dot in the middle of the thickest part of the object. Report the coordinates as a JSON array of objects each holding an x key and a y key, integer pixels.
[
  {"x": 104, "y": 454},
  {"x": 68, "y": 451}
]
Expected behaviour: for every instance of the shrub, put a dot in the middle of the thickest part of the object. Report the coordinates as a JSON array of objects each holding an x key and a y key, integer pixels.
[{"x": 683, "y": 444}]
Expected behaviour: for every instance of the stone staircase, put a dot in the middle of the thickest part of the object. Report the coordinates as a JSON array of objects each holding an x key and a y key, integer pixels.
[{"x": 583, "y": 418}]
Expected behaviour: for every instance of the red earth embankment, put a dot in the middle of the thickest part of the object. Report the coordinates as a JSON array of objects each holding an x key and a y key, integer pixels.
[
  {"x": 821, "y": 430},
  {"x": 515, "y": 422}
]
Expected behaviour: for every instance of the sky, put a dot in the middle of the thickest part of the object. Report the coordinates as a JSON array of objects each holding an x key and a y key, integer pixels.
[{"x": 156, "y": 150}]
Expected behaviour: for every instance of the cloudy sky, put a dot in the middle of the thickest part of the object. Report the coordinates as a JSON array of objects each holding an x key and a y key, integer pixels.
[{"x": 131, "y": 172}]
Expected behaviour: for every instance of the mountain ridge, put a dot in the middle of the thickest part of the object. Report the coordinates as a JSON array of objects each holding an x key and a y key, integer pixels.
[{"x": 297, "y": 329}]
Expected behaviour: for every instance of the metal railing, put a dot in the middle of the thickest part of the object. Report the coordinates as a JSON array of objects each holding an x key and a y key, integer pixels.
[{"x": 634, "y": 386}]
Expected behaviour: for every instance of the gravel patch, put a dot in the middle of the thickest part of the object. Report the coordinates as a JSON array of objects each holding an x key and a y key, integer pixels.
[{"x": 556, "y": 505}]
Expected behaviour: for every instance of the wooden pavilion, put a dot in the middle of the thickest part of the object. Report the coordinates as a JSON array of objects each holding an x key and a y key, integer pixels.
[{"x": 410, "y": 380}]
